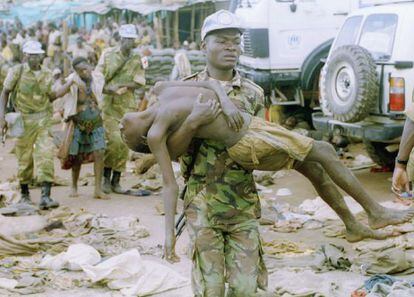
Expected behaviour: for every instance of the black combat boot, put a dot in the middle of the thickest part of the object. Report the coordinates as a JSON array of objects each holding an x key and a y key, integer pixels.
[
  {"x": 106, "y": 186},
  {"x": 45, "y": 201},
  {"x": 116, "y": 187},
  {"x": 24, "y": 190}
]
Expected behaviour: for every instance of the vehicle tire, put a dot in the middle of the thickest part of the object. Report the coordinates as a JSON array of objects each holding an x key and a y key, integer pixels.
[
  {"x": 323, "y": 103},
  {"x": 378, "y": 153},
  {"x": 349, "y": 83}
]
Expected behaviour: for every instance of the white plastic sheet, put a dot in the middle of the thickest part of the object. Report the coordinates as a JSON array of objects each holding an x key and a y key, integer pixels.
[
  {"x": 6, "y": 283},
  {"x": 74, "y": 258},
  {"x": 134, "y": 276}
]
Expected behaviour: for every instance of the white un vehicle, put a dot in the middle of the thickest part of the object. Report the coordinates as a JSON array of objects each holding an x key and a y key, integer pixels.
[
  {"x": 368, "y": 80},
  {"x": 284, "y": 43}
]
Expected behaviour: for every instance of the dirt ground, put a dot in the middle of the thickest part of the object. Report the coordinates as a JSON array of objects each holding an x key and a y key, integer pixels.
[{"x": 377, "y": 184}]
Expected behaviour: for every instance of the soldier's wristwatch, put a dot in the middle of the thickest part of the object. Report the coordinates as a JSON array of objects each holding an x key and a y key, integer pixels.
[{"x": 402, "y": 162}]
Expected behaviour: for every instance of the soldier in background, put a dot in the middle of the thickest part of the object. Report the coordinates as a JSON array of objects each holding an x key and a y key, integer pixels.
[
  {"x": 33, "y": 93},
  {"x": 123, "y": 73}
]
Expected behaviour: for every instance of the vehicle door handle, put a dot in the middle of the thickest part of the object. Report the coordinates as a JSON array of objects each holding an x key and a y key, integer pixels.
[{"x": 340, "y": 13}]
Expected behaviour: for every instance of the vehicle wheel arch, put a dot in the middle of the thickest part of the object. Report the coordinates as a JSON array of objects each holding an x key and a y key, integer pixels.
[{"x": 313, "y": 63}]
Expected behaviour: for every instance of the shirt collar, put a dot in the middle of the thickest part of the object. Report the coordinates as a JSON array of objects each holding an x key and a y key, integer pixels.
[
  {"x": 26, "y": 67},
  {"x": 228, "y": 85}
]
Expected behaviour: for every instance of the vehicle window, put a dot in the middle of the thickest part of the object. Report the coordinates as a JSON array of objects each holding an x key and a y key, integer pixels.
[
  {"x": 349, "y": 31},
  {"x": 378, "y": 35}
]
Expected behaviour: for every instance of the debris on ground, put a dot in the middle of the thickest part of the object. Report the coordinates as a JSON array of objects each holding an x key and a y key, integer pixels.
[
  {"x": 25, "y": 224},
  {"x": 19, "y": 209},
  {"x": 152, "y": 179},
  {"x": 133, "y": 276},
  {"x": 74, "y": 258},
  {"x": 385, "y": 286},
  {"x": 9, "y": 193},
  {"x": 289, "y": 219},
  {"x": 144, "y": 163},
  {"x": 10, "y": 246},
  {"x": 304, "y": 282},
  {"x": 56, "y": 257},
  {"x": 359, "y": 162},
  {"x": 278, "y": 249},
  {"x": 6, "y": 283}
]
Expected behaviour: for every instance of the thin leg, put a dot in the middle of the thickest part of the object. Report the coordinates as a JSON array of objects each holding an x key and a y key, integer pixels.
[
  {"x": 76, "y": 168},
  {"x": 379, "y": 216},
  {"x": 98, "y": 170},
  {"x": 327, "y": 190}
]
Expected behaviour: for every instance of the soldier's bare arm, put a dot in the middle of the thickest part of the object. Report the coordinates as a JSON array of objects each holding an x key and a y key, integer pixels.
[
  {"x": 4, "y": 95},
  {"x": 60, "y": 91},
  {"x": 9, "y": 84},
  {"x": 3, "y": 103},
  {"x": 157, "y": 141},
  {"x": 407, "y": 140},
  {"x": 233, "y": 115},
  {"x": 400, "y": 180}
]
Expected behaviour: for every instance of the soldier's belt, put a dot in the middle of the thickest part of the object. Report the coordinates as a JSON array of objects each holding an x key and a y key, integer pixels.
[
  {"x": 35, "y": 116},
  {"x": 89, "y": 125}
]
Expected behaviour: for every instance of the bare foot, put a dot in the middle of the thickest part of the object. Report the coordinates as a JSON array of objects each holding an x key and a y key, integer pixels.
[
  {"x": 390, "y": 217},
  {"x": 74, "y": 193},
  {"x": 172, "y": 258},
  {"x": 360, "y": 232},
  {"x": 101, "y": 195}
]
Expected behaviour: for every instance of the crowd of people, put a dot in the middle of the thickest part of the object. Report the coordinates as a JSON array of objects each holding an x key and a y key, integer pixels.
[
  {"x": 68, "y": 61},
  {"x": 91, "y": 78},
  {"x": 79, "y": 41}
]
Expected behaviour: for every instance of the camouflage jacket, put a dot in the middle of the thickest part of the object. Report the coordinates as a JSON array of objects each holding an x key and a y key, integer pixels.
[
  {"x": 32, "y": 89},
  {"x": 118, "y": 69},
  {"x": 230, "y": 189}
]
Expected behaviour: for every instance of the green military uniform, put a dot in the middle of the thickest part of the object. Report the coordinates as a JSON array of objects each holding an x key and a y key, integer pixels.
[
  {"x": 222, "y": 207},
  {"x": 34, "y": 149},
  {"x": 4, "y": 68},
  {"x": 118, "y": 69}
]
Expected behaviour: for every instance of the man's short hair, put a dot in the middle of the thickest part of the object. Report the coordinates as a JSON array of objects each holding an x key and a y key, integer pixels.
[{"x": 79, "y": 60}]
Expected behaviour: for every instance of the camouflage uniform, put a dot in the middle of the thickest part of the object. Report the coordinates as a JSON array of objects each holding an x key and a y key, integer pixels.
[
  {"x": 4, "y": 68},
  {"x": 34, "y": 149},
  {"x": 115, "y": 106},
  {"x": 222, "y": 208}
]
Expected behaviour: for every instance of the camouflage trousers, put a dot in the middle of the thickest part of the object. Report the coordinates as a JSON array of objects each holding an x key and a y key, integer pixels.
[
  {"x": 116, "y": 153},
  {"x": 224, "y": 254},
  {"x": 35, "y": 150}
]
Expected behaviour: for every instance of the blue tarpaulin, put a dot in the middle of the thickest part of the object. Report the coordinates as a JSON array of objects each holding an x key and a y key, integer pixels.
[{"x": 29, "y": 12}]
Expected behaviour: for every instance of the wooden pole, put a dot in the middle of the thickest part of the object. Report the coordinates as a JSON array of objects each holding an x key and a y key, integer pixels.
[
  {"x": 161, "y": 29},
  {"x": 158, "y": 31},
  {"x": 202, "y": 16},
  {"x": 168, "y": 28},
  {"x": 192, "y": 22},
  {"x": 65, "y": 41},
  {"x": 176, "y": 26}
]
